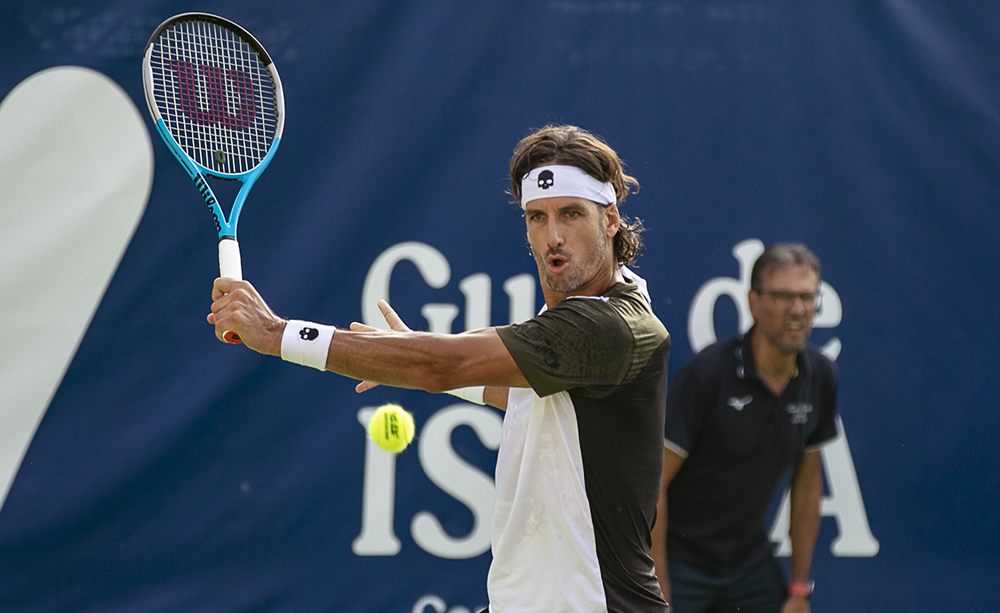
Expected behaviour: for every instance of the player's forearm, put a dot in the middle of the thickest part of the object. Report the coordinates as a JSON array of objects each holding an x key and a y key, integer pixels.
[
  {"x": 420, "y": 360},
  {"x": 803, "y": 536}
]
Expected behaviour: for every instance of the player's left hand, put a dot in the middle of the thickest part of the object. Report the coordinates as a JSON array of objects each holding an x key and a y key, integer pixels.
[
  {"x": 395, "y": 324},
  {"x": 239, "y": 308},
  {"x": 795, "y": 604}
]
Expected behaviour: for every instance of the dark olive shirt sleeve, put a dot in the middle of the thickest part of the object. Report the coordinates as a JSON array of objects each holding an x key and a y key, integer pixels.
[
  {"x": 580, "y": 343},
  {"x": 591, "y": 345}
]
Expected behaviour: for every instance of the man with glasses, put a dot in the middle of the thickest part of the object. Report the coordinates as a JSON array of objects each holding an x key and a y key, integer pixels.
[{"x": 740, "y": 414}]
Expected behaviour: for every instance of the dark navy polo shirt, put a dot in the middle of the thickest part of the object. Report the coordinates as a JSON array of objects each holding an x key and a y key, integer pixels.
[{"x": 739, "y": 440}]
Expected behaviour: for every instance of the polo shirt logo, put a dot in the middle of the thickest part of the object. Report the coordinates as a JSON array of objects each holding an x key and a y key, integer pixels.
[
  {"x": 799, "y": 412},
  {"x": 739, "y": 403}
]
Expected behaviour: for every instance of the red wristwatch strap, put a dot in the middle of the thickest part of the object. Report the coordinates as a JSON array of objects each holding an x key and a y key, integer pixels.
[{"x": 801, "y": 589}]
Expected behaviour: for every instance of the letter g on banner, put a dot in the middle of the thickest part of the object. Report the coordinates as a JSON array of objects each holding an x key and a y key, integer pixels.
[
  {"x": 701, "y": 318},
  {"x": 429, "y": 261}
]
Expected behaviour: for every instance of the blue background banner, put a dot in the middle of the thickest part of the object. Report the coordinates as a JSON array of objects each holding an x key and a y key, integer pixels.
[{"x": 144, "y": 466}]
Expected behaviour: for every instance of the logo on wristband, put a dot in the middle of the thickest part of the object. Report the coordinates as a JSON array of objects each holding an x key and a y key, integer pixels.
[{"x": 308, "y": 334}]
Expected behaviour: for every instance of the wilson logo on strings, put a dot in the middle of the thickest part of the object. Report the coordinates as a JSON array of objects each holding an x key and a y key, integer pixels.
[{"x": 217, "y": 112}]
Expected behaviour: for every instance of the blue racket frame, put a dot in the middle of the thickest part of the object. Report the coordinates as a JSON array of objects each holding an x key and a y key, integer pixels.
[
  {"x": 230, "y": 265},
  {"x": 226, "y": 225}
]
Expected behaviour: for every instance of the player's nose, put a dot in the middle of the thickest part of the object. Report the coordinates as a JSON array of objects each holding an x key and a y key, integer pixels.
[{"x": 554, "y": 234}]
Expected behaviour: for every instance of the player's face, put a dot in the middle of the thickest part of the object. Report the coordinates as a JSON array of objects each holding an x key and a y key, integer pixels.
[
  {"x": 783, "y": 321},
  {"x": 571, "y": 239}
]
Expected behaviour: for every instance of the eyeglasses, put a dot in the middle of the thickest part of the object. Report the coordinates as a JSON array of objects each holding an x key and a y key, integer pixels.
[{"x": 786, "y": 300}]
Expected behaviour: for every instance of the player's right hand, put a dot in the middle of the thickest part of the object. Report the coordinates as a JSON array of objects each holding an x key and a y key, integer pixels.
[{"x": 239, "y": 308}]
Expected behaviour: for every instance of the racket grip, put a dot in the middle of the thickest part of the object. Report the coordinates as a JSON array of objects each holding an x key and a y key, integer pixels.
[{"x": 230, "y": 267}]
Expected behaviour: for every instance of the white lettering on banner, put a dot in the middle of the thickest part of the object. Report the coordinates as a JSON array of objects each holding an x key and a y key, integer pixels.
[
  {"x": 520, "y": 290},
  {"x": 701, "y": 318},
  {"x": 378, "y": 498},
  {"x": 477, "y": 292},
  {"x": 431, "y": 264},
  {"x": 459, "y": 479},
  {"x": 438, "y": 605},
  {"x": 444, "y": 468},
  {"x": 844, "y": 503},
  {"x": 456, "y": 477},
  {"x": 436, "y": 272}
]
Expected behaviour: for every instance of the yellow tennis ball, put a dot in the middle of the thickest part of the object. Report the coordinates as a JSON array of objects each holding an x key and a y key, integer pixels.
[{"x": 391, "y": 428}]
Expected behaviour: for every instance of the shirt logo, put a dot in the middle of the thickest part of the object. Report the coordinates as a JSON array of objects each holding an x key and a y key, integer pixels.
[
  {"x": 799, "y": 412},
  {"x": 739, "y": 403}
]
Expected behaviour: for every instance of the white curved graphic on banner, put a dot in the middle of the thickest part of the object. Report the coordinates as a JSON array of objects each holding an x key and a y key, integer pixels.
[{"x": 78, "y": 169}]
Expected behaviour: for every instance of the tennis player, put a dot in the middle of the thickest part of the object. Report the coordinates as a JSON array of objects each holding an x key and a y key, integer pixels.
[{"x": 583, "y": 384}]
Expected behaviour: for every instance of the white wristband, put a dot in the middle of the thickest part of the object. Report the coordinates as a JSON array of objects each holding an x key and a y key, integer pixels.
[
  {"x": 471, "y": 394},
  {"x": 306, "y": 343}
]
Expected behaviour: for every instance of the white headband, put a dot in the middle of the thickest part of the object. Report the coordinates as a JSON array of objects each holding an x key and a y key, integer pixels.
[{"x": 556, "y": 181}]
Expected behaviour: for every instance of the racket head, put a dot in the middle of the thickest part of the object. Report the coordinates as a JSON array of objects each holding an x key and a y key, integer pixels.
[{"x": 215, "y": 95}]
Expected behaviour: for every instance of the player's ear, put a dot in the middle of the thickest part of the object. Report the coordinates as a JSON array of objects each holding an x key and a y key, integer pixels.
[{"x": 612, "y": 220}]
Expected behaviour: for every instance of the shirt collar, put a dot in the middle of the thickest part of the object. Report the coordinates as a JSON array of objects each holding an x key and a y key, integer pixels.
[{"x": 746, "y": 368}]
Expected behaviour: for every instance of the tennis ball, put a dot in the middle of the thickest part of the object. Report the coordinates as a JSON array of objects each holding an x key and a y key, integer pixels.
[{"x": 391, "y": 428}]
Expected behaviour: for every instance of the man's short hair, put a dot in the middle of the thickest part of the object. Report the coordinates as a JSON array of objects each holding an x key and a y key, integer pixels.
[
  {"x": 783, "y": 255},
  {"x": 573, "y": 146}
]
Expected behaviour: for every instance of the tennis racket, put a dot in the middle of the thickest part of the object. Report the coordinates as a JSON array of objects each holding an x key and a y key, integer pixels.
[{"x": 216, "y": 99}]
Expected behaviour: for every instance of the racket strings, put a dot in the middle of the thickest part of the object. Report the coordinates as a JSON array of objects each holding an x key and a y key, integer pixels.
[{"x": 215, "y": 95}]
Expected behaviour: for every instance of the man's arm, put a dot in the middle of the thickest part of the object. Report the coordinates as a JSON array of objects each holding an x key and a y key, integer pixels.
[
  {"x": 806, "y": 493},
  {"x": 415, "y": 360},
  {"x": 493, "y": 396},
  {"x": 671, "y": 464}
]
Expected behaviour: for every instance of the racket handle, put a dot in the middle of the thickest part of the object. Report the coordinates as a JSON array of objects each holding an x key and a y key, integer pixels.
[{"x": 230, "y": 267}]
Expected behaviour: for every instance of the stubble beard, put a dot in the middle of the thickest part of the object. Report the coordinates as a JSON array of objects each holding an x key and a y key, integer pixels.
[
  {"x": 788, "y": 347},
  {"x": 581, "y": 274}
]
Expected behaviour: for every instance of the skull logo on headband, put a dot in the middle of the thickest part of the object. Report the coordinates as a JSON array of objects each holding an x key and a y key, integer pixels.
[{"x": 558, "y": 180}]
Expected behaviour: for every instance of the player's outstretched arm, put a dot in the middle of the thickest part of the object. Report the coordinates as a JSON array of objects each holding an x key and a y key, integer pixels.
[
  {"x": 415, "y": 360},
  {"x": 395, "y": 324},
  {"x": 493, "y": 396}
]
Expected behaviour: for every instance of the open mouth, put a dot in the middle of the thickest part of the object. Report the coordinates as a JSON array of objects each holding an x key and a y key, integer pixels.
[
  {"x": 557, "y": 263},
  {"x": 796, "y": 326}
]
